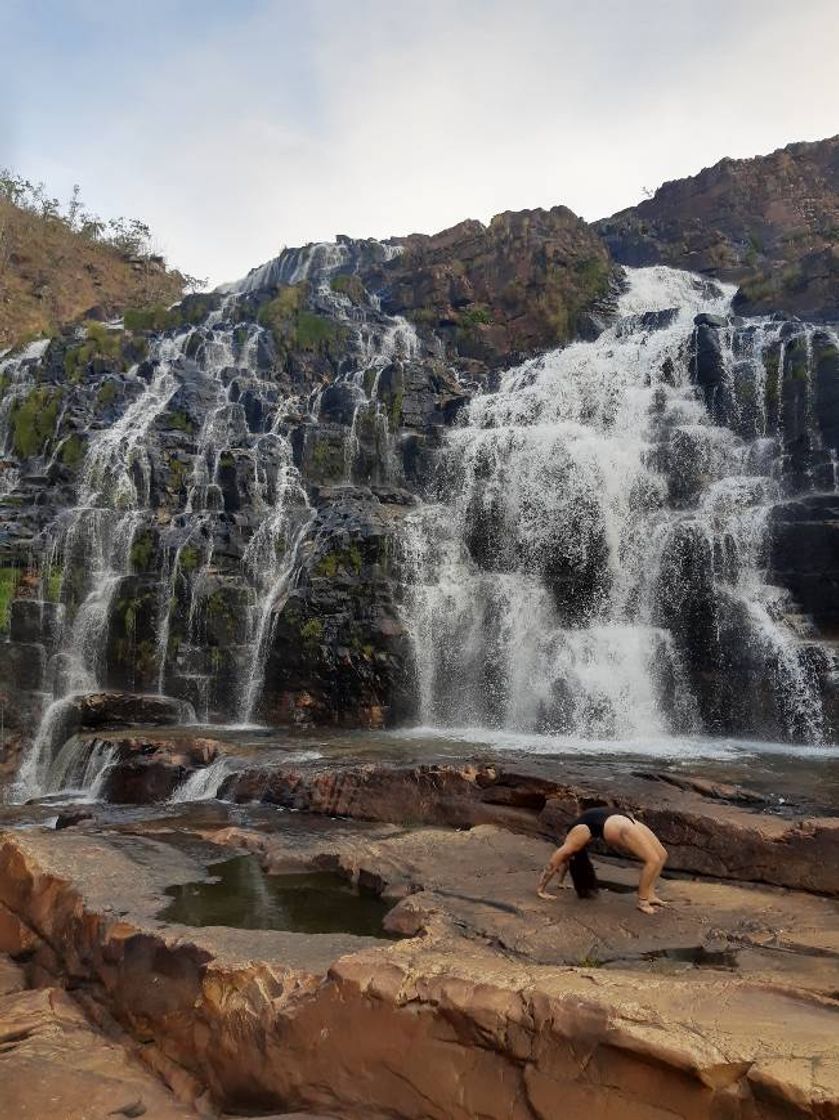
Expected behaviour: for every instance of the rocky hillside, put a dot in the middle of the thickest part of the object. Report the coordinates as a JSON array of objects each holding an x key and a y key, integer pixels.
[
  {"x": 50, "y": 276},
  {"x": 527, "y": 281},
  {"x": 770, "y": 224}
]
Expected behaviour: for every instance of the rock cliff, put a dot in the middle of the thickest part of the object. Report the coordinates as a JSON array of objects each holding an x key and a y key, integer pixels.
[{"x": 771, "y": 224}]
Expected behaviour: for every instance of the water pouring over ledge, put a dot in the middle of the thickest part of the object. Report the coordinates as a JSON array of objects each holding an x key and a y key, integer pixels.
[
  {"x": 112, "y": 544},
  {"x": 596, "y": 560},
  {"x": 597, "y": 556}
]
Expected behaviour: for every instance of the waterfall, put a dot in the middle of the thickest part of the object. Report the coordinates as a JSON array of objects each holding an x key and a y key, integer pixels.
[
  {"x": 55, "y": 724},
  {"x": 271, "y": 559},
  {"x": 80, "y": 768},
  {"x": 91, "y": 547},
  {"x": 580, "y": 511},
  {"x": 190, "y": 514},
  {"x": 204, "y": 784}
]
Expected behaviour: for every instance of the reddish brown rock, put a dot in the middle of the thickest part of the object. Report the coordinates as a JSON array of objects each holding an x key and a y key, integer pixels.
[
  {"x": 53, "y": 1064},
  {"x": 527, "y": 281},
  {"x": 768, "y": 223},
  {"x": 448, "y": 1026},
  {"x": 702, "y": 833}
]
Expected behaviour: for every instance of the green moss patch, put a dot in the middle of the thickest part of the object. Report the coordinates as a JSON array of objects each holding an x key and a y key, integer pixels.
[
  {"x": 9, "y": 578},
  {"x": 345, "y": 559},
  {"x": 33, "y": 420},
  {"x": 142, "y": 551},
  {"x": 99, "y": 343},
  {"x": 155, "y": 318},
  {"x": 293, "y": 326},
  {"x": 72, "y": 451}
]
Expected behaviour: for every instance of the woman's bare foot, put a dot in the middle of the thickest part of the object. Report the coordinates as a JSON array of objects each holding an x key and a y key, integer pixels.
[
  {"x": 654, "y": 900},
  {"x": 645, "y": 906},
  {"x": 546, "y": 894}
]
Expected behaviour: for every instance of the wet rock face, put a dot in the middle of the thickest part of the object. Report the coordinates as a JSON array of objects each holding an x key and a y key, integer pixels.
[
  {"x": 805, "y": 554},
  {"x": 339, "y": 653}
]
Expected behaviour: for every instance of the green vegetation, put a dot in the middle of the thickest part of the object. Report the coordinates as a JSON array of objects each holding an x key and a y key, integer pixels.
[
  {"x": 106, "y": 394},
  {"x": 395, "y": 410},
  {"x": 797, "y": 362},
  {"x": 189, "y": 559},
  {"x": 327, "y": 457},
  {"x": 142, "y": 551},
  {"x": 99, "y": 343},
  {"x": 9, "y": 578},
  {"x": 293, "y": 326},
  {"x": 347, "y": 559},
  {"x": 475, "y": 316},
  {"x": 181, "y": 422},
  {"x": 351, "y": 287},
  {"x": 311, "y": 632},
  {"x": 425, "y": 316},
  {"x": 754, "y": 249},
  {"x": 52, "y": 588},
  {"x": 155, "y": 318},
  {"x": 32, "y": 421},
  {"x": 279, "y": 314},
  {"x": 128, "y": 236},
  {"x": 178, "y": 471},
  {"x": 757, "y": 288},
  {"x": 129, "y": 617},
  {"x": 313, "y": 332},
  {"x": 72, "y": 451}
]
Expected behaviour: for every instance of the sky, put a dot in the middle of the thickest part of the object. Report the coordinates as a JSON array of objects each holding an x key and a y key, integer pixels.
[{"x": 237, "y": 127}]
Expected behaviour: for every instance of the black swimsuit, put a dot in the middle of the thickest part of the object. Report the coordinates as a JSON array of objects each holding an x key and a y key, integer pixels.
[{"x": 594, "y": 819}]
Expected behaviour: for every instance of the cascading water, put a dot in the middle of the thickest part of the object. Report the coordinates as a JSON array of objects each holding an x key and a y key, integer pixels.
[
  {"x": 16, "y": 380},
  {"x": 191, "y": 500},
  {"x": 595, "y": 564},
  {"x": 93, "y": 543},
  {"x": 585, "y": 507},
  {"x": 80, "y": 768},
  {"x": 204, "y": 784}
]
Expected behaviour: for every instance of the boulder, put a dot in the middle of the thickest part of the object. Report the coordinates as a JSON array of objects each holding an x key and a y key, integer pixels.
[{"x": 124, "y": 709}]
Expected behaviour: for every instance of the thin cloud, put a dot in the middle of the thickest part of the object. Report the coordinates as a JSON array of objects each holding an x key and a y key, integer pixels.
[{"x": 274, "y": 123}]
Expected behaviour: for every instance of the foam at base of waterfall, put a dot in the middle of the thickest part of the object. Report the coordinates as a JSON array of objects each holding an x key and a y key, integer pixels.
[{"x": 670, "y": 747}]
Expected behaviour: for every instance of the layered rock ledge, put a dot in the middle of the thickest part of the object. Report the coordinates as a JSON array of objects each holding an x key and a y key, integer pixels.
[{"x": 493, "y": 1004}]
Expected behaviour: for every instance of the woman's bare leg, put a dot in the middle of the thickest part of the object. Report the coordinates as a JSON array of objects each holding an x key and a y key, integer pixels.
[
  {"x": 661, "y": 853},
  {"x": 647, "y": 898},
  {"x": 642, "y": 842}
]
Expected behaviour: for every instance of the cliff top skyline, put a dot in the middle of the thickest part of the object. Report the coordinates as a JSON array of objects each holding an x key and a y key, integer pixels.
[{"x": 235, "y": 129}]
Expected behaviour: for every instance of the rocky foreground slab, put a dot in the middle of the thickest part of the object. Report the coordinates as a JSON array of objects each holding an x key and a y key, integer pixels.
[{"x": 491, "y": 1002}]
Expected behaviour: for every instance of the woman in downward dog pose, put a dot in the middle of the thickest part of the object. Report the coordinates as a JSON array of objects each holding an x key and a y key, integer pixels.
[{"x": 620, "y": 831}]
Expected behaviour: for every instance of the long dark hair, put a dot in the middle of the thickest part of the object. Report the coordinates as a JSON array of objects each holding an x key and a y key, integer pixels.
[{"x": 583, "y": 875}]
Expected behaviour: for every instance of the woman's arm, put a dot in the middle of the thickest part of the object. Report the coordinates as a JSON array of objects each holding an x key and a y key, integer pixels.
[
  {"x": 557, "y": 865},
  {"x": 575, "y": 841}
]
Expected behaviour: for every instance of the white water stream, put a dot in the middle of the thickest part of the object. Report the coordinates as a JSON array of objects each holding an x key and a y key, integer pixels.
[{"x": 535, "y": 584}]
